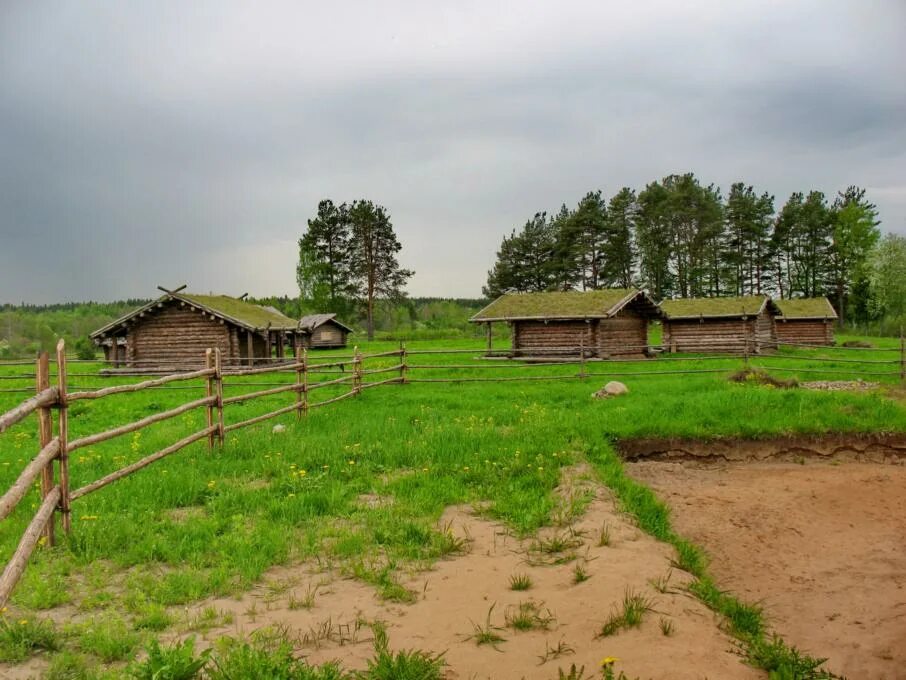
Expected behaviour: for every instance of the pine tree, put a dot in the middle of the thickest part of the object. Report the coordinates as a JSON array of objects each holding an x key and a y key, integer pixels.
[
  {"x": 855, "y": 233},
  {"x": 619, "y": 248},
  {"x": 323, "y": 271},
  {"x": 373, "y": 246},
  {"x": 654, "y": 240}
]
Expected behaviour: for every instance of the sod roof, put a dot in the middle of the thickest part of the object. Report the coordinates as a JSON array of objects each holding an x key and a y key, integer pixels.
[
  {"x": 720, "y": 307},
  {"x": 245, "y": 313},
  {"x": 236, "y": 311},
  {"x": 806, "y": 308},
  {"x": 594, "y": 304}
]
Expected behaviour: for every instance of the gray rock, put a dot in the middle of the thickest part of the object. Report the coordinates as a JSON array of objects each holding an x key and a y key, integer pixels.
[{"x": 615, "y": 388}]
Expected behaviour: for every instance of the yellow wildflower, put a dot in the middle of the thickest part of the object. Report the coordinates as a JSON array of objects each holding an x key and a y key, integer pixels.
[{"x": 608, "y": 661}]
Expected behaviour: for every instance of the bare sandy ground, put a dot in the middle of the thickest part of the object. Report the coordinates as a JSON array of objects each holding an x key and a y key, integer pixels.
[
  {"x": 459, "y": 592},
  {"x": 822, "y": 545}
]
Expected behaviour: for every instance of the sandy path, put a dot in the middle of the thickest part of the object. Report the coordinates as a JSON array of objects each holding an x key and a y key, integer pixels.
[
  {"x": 460, "y": 591},
  {"x": 822, "y": 546}
]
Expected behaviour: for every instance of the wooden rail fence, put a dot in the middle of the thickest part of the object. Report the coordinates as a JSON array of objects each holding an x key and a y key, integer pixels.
[{"x": 51, "y": 464}]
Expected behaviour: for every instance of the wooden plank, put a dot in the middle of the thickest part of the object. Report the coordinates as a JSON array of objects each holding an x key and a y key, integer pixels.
[
  {"x": 209, "y": 393},
  {"x": 139, "y": 424},
  {"x": 138, "y": 465},
  {"x": 14, "y": 568},
  {"x": 22, "y": 485}
]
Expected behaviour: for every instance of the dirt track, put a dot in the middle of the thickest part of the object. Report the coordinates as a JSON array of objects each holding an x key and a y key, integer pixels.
[{"x": 822, "y": 545}]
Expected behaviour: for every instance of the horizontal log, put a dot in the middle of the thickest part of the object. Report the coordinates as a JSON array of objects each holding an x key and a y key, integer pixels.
[
  {"x": 139, "y": 424},
  {"x": 17, "y": 491},
  {"x": 144, "y": 462},
  {"x": 286, "y": 367},
  {"x": 47, "y": 397},
  {"x": 366, "y": 385},
  {"x": 330, "y": 401},
  {"x": 138, "y": 387},
  {"x": 261, "y": 393},
  {"x": 375, "y": 371},
  {"x": 261, "y": 418},
  {"x": 326, "y": 383},
  {"x": 16, "y": 565}
]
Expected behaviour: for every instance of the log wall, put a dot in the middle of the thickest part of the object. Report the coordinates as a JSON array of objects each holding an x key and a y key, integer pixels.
[
  {"x": 817, "y": 332},
  {"x": 327, "y": 334},
  {"x": 735, "y": 335},
  {"x": 175, "y": 332},
  {"x": 626, "y": 334}
]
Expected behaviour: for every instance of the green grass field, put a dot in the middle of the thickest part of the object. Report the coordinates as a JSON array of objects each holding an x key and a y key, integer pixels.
[{"x": 203, "y": 523}]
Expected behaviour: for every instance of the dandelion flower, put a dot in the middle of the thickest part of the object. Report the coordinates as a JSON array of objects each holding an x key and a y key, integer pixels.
[{"x": 608, "y": 661}]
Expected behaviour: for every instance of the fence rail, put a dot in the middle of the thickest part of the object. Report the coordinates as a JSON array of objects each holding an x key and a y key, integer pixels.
[{"x": 51, "y": 463}]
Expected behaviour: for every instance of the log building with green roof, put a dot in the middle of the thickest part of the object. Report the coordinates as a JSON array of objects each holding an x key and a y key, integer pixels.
[
  {"x": 734, "y": 325},
  {"x": 805, "y": 321},
  {"x": 176, "y": 329},
  {"x": 603, "y": 323}
]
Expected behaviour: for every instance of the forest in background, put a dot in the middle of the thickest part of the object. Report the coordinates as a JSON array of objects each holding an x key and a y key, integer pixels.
[
  {"x": 27, "y": 329},
  {"x": 678, "y": 237}
]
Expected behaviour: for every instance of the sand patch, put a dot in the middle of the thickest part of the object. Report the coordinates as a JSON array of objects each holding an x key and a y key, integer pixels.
[{"x": 821, "y": 545}]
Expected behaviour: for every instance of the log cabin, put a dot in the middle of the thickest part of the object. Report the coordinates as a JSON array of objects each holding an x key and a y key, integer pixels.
[
  {"x": 323, "y": 331},
  {"x": 734, "y": 325},
  {"x": 805, "y": 321},
  {"x": 176, "y": 329},
  {"x": 603, "y": 323}
]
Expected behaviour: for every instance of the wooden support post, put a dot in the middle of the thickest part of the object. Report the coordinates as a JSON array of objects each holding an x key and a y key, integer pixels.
[
  {"x": 490, "y": 339},
  {"x": 902, "y": 355},
  {"x": 280, "y": 340},
  {"x": 63, "y": 435},
  {"x": 300, "y": 382},
  {"x": 45, "y": 434},
  {"x": 582, "y": 357},
  {"x": 250, "y": 347},
  {"x": 209, "y": 392},
  {"x": 403, "y": 367},
  {"x": 304, "y": 381},
  {"x": 356, "y": 370},
  {"x": 218, "y": 391}
]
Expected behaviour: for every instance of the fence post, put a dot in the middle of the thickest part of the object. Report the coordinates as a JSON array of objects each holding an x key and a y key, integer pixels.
[
  {"x": 63, "y": 435},
  {"x": 218, "y": 391},
  {"x": 45, "y": 434},
  {"x": 300, "y": 385},
  {"x": 305, "y": 381},
  {"x": 745, "y": 350},
  {"x": 357, "y": 371},
  {"x": 209, "y": 392},
  {"x": 902, "y": 356},
  {"x": 403, "y": 367}
]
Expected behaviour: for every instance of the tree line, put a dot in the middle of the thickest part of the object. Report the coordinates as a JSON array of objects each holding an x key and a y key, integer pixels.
[
  {"x": 348, "y": 258},
  {"x": 680, "y": 238}
]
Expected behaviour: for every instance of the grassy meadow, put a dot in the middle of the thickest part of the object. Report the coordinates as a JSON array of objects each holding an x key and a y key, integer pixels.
[{"x": 203, "y": 523}]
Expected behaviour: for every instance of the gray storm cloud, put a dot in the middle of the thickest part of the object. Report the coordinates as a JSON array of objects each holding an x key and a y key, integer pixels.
[{"x": 188, "y": 142}]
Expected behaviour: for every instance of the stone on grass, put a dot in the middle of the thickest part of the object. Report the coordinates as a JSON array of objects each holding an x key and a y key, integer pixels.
[
  {"x": 278, "y": 429},
  {"x": 612, "y": 389}
]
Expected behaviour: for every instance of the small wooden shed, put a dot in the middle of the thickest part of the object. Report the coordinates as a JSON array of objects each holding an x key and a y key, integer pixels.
[
  {"x": 605, "y": 323},
  {"x": 177, "y": 328},
  {"x": 805, "y": 321},
  {"x": 323, "y": 330},
  {"x": 727, "y": 324}
]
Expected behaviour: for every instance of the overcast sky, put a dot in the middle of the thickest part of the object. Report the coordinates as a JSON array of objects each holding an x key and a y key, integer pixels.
[{"x": 188, "y": 142}]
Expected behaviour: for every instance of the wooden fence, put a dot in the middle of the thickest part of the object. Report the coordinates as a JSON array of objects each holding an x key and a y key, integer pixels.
[{"x": 51, "y": 464}]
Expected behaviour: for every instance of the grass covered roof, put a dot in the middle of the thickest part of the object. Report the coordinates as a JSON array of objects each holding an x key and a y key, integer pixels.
[
  {"x": 246, "y": 313},
  {"x": 239, "y": 312},
  {"x": 726, "y": 307},
  {"x": 806, "y": 308},
  {"x": 558, "y": 305}
]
